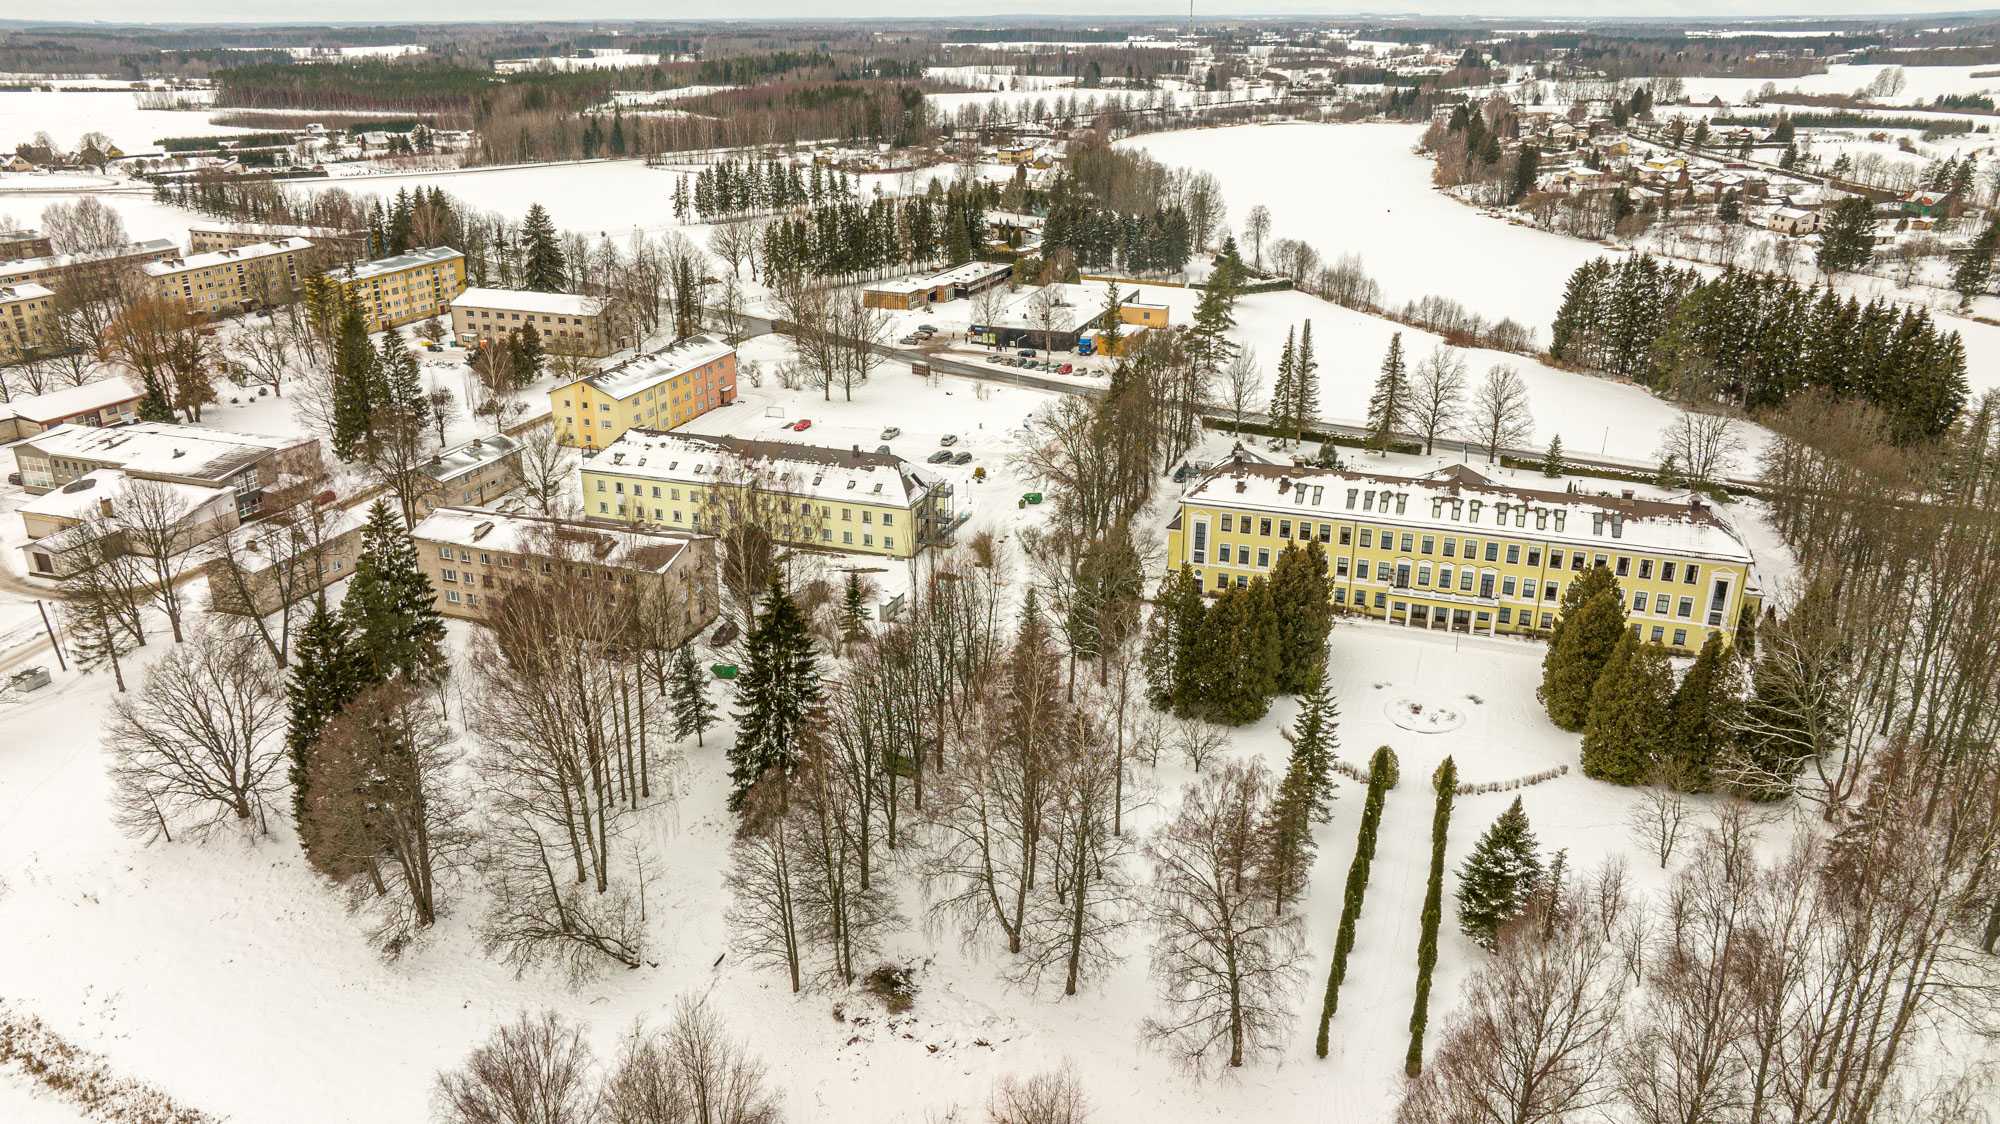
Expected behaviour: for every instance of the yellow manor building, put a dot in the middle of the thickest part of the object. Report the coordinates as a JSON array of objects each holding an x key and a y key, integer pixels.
[
  {"x": 406, "y": 287},
  {"x": 1452, "y": 549},
  {"x": 803, "y": 495},
  {"x": 658, "y": 390}
]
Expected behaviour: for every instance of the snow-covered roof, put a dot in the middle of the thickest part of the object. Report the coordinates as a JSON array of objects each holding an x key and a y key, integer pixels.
[
  {"x": 812, "y": 471},
  {"x": 401, "y": 262},
  {"x": 527, "y": 300},
  {"x": 267, "y": 230},
  {"x": 642, "y": 372},
  {"x": 81, "y": 497},
  {"x": 1459, "y": 499},
  {"x": 23, "y": 291},
  {"x": 472, "y": 456},
  {"x": 265, "y": 544},
  {"x": 1079, "y": 306},
  {"x": 161, "y": 449},
  {"x": 30, "y": 266},
  {"x": 70, "y": 401},
  {"x": 502, "y": 533},
  {"x": 224, "y": 257}
]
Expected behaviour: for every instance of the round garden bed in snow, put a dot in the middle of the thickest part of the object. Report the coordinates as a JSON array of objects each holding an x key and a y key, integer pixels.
[{"x": 1422, "y": 715}]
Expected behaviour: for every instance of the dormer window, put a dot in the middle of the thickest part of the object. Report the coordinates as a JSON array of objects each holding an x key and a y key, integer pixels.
[
  {"x": 1402, "y": 502},
  {"x": 1351, "y": 494},
  {"x": 1474, "y": 513}
]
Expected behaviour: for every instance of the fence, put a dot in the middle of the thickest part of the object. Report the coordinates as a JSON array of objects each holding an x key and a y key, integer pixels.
[{"x": 1359, "y": 775}]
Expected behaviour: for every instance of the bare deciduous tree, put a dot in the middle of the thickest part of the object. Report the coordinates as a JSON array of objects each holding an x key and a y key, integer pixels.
[
  {"x": 1225, "y": 959},
  {"x": 200, "y": 743},
  {"x": 536, "y": 1070},
  {"x": 84, "y": 226},
  {"x": 692, "y": 1072},
  {"x": 1437, "y": 395},
  {"x": 1500, "y": 416},
  {"x": 1256, "y": 228},
  {"x": 546, "y": 464},
  {"x": 1704, "y": 445},
  {"x": 1055, "y": 1097},
  {"x": 1241, "y": 380}
]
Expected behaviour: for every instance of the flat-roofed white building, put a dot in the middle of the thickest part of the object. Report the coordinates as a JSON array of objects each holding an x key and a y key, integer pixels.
[{"x": 111, "y": 401}]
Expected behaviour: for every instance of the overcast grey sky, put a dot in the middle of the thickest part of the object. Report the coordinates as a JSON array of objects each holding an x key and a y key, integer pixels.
[{"x": 353, "y": 11}]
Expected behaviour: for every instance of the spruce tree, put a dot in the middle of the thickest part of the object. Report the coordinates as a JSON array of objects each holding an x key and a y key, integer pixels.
[
  {"x": 391, "y": 607},
  {"x": 1586, "y": 633},
  {"x": 1625, "y": 733},
  {"x": 1304, "y": 602},
  {"x": 1969, "y": 280},
  {"x": 1382, "y": 773},
  {"x": 1390, "y": 404},
  {"x": 1846, "y": 241},
  {"x": 356, "y": 382},
  {"x": 1284, "y": 392},
  {"x": 1172, "y": 655},
  {"x": 542, "y": 267},
  {"x": 1498, "y": 877},
  {"x": 1263, "y": 652},
  {"x": 401, "y": 377},
  {"x": 1314, "y": 735},
  {"x": 1552, "y": 461},
  {"x": 853, "y": 612},
  {"x": 1287, "y": 839},
  {"x": 529, "y": 354},
  {"x": 1305, "y": 380},
  {"x": 1444, "y": 783},
  {"x": 328, "y": 670},
  {"x": 687, "y": 695},
  {"x": 777, "y": 696},
  {"x": 1701, "y": 717}
]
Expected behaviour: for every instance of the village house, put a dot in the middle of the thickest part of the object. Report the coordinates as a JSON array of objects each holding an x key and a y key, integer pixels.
[
  {"x": 800, "y": 495},
  {"x": 1793, "y": 220},
  {"x": 221, "y": 282},
  {"x": 474, "y": 557},
  {"x": 659, "y": 390},
  {"x": 106, "y": 402},
  {"x": 1454, "y": 550},
  {"x": 566, "y": 323}
]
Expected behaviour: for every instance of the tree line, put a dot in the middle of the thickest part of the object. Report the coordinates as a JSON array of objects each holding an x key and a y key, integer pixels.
[{"x": 1756, "y": 342}]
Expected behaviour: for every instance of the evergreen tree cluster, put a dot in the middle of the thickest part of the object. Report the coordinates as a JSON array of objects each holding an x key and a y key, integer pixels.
[
  {"x": 844, "y": 237},
  {"x": 1304, "y": 796},
  {"x": 777, "y": 695},
  {"x": 1098, "y": 238},
  {"x": 388, "y": 626},
  {"x": 1757, "y": 341},
  {"x": 1295, "y": 394},
  {"x": 1224, "y": 660},
  {"x": 1499, "y": 876},
  {"x": 1382, "y": 776},
  {"x": 1444, "y": 783},
  {"x": 734, "y": 187}
]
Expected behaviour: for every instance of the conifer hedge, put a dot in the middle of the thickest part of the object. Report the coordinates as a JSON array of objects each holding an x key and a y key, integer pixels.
[{"x": 1382, "y": 776}]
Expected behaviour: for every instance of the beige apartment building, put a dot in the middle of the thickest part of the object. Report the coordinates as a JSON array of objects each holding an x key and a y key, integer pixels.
[
  {"x": 405, "y": 288},
  {"x": 567, "y": 323},
  {"x": 26, "y": 313},
  {"x": 477, "y": 472},
  {"x": 473, "y": 557},
  {"x": 220, "y": 282}
]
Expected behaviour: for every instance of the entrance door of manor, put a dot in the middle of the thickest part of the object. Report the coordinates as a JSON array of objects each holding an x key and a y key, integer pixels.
[
  {"x": 1461, "y": 620},
  {"x": 1420, "y": 616}
]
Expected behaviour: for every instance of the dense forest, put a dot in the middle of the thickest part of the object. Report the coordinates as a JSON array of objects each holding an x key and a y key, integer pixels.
[{"x": 1757, "y": 341}]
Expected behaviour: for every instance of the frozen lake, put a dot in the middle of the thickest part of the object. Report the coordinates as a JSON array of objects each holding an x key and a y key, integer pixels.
[{"x": 68, "y": 114}]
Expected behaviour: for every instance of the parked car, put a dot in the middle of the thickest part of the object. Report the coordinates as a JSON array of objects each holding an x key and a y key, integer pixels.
[
  {"x": 996, "y": 359},
  {"x": 941, "y": 456},
  {"x": 725, "y": 634},
  {"x": 907, "y": 340},
  {"x": 1026, "y": 353},
  {"x": 433, "y": 347},
  {"x": 803, "y": 425},
  {"x": 14, "y": 478},
  {"x": 1065, "y": 369},
  {"x": 1181, "y": 474},
  {"x": 881, "y": 448},
  {"x": 931, "y": 328},
  {"x": 979, "y": 473},
  {"x": 891, "y": 433},
  {"x": 962, "y": 458},
  {"x": 948, "y": 440}
]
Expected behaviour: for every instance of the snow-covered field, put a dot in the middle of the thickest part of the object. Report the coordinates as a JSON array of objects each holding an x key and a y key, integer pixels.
[
  {"x": 1359, "y": 189},
  {"x": 1922, "y": 84},
  {"x": 68, "y": 114}
]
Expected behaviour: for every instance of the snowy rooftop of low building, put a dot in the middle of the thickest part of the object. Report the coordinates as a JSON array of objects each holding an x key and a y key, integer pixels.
[
  {"x": 502, "y": 533},
  {"x": 63, "y": 261},
  {"x": 264, "y": 544},
  {"x": 471, "y": 457},
  {"x": 82, "y": 497},
  {"x": 1078, "y": 305},
  {"x": 779, "y": 466},
  {"x": 642, "y": 372},
  {"x": 162, "y": 449},
  {"x": 23, "y": 291},
  {"x": 224, "y": 257},
  {"x": 527, "y": 300},
  {"x": 1461, "y": 500},
  {"x": 400, "y": 262},
  {"x": 270, "y": 230},
  {"x": 56, "y": 404}
]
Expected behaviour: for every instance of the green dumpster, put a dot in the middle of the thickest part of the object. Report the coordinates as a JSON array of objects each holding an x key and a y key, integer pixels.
[
  {"x": 723, "y": 670},
  {"x": 1032, "y": 497}
]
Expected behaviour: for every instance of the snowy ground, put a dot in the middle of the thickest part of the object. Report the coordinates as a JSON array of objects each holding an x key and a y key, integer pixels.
[
  {"x": 68, "y": 114},
  {"x": 1923, "y": 84}
]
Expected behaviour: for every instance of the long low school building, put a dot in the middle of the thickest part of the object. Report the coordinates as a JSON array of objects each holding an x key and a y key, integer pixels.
[
  {"x": 801, "y": 495},
  {"x": 1453, "y": 550}
]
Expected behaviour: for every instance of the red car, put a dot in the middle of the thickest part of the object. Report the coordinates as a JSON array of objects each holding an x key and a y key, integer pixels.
[
  {"x": 803, "y": 424},
  {"x": 1064, "y": 369}
]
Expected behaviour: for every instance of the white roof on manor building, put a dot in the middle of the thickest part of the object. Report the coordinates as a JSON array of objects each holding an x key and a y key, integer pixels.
[{"x": 1444, "y": 500}]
